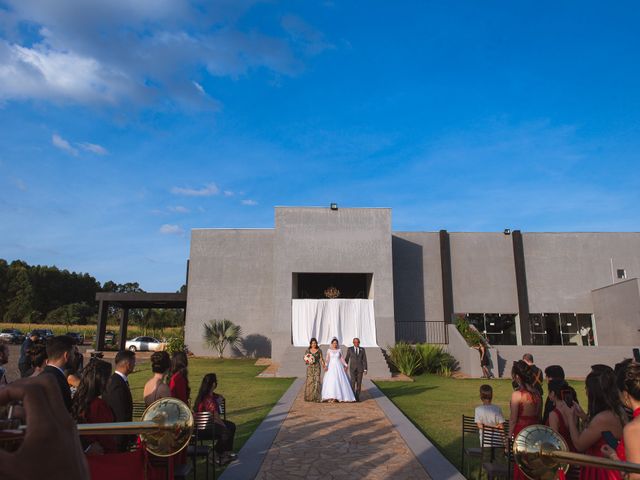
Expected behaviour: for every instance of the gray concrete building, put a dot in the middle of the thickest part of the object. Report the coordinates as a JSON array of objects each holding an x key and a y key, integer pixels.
[{"x": 542, "y": 292}]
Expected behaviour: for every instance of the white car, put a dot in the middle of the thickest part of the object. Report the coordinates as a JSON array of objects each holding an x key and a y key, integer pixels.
[{"x": 144, "y": 344}]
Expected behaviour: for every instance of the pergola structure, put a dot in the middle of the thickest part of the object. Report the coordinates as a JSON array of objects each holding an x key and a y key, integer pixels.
[{"x": 127, "y": 301}]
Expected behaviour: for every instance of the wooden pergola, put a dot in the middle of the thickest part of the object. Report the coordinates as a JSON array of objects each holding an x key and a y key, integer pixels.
[{"x": 127, "y": 301}]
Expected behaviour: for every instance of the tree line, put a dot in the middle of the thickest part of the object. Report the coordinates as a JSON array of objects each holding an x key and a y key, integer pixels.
[{"x": 46, "y": 294}]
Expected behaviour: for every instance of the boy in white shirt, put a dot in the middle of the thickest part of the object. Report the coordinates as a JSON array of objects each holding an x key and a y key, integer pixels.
[{"x": 489, "y": 415}]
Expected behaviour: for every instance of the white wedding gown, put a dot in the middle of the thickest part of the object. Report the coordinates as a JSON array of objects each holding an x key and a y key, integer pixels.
[{"x": 335, "y": 384}]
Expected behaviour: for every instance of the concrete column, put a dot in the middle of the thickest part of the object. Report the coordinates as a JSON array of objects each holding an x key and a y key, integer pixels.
[
  {"x": 447, "y": 277},
  {"x": 103, "y": 309},
  {"x": 124, "y": 323},
  {"x": 521, "y": 284}
]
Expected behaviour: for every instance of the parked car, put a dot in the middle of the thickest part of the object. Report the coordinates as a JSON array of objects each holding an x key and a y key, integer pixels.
[
  {"x": 78, "y": 337},
  {"x": 12, "y": 335},
  {"x": 109, "y": 337},
  {"x": 144, "y": 344},
  {"x": 43, "y": 333}
]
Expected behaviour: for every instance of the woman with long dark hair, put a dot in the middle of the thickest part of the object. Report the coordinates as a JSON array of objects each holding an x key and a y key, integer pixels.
[
  {"x": 156, "y": 387},
  {"x": 89, "y": 407},
  {"x": 312, "y": 386},
  {"x": 605, "y": 413},
  {"x": 525, "y": 405},
  {"x": 209, "y": 401},
  {"x": 179, "y": 383}
]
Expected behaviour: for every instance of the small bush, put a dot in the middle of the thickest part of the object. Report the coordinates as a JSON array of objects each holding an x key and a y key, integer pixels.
[
  {"x": 469, "y": 333},
  {"x": 176, "y": 344},
  {"x": 405, "y": 358}
]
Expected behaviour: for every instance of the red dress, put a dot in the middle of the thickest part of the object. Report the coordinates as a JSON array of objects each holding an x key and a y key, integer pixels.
[
  {"x": 99, "y": 412},
  {"x": 178, "y": 387},
  {"x": 209, "y": 403},
  {"x": 563, "y": 430},
  {"x": 622, "y": 454},
  {"x": 596, "y": 473},
  {"x": 523, "y": 422}
]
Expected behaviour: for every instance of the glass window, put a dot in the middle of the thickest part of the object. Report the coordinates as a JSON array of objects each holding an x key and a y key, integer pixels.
[
  {"x": 561, "y": 329},
  {"x": 499, "y": 329}
]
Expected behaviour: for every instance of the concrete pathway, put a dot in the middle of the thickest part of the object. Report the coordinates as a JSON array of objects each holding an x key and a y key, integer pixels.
[{"x": 350, "y": 441}]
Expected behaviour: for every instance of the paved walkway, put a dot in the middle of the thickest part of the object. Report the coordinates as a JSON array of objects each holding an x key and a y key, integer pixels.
[{"x": 330, "y": 441}]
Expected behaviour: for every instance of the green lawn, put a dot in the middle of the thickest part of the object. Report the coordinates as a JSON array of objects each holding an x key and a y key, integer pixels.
[
  {"x": 436, "y": 404},
  {"x": 249, "y": 399}
]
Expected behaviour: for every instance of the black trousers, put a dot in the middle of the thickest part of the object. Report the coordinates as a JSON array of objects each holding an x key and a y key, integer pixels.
[
  {"x": 355, "y": 376},
  {"x": 224, "y": 436}
]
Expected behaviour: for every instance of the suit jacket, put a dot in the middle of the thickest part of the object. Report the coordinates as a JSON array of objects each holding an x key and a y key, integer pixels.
[
  {"x": 62, "y": 383},
  {"x": 356, "y": 362},
  {"x": 118, "y": 397}
]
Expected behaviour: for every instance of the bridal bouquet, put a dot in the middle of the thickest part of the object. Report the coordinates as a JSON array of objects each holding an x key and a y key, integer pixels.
[{"x": 309, "y": 359}]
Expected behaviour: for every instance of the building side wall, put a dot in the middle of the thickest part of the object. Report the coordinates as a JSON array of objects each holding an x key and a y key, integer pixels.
[
  {"x": 231, "y": 276},
  {"x": 617, "y": 312},
  {"x": 483, "y": 273},
  {"x": 563, "y": 268},
  {"x": 320, "y": 240},
  {"x": 417, "y": 284}
]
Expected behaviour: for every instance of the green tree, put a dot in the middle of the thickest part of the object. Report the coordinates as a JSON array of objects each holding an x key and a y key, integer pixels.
[
  {"x": 219, "y": 334},
  {"x": 19, "y": 293}
]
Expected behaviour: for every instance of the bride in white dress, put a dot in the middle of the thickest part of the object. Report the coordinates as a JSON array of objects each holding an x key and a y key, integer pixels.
[{"x": 335, "y": 384}]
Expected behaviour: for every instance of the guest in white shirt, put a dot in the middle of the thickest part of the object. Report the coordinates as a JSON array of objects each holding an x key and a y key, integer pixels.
[{"x": 489, "y": 415}]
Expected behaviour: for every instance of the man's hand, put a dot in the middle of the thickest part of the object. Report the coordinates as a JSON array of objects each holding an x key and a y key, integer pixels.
[
  {"x": 365, "y": 372},
  {"x": 51, "y": 447}
]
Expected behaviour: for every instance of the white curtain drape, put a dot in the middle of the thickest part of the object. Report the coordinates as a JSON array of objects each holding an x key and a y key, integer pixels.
[{"x": 343, "y": 318}]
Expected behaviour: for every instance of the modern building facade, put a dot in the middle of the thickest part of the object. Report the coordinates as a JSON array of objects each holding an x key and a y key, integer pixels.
[{"x": 520, "y": 289}]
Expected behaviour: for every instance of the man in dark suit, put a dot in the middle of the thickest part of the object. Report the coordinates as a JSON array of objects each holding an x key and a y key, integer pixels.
[
  {"x": 59, "y": 357},
  {"x": 356, "y": 358},
  {"x": 118, "y": 395}
]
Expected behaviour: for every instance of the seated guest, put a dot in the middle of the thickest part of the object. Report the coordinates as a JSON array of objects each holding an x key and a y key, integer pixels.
[
  {"x": 605, "y": 413},
  {"x": 89, "y": 407},
  {"x": 38, "y": 358},
  {"x": 489, "y": 415},
  {"x": 156, "y": 388},
  {"x": 179, "y": 383},
  {"x": 209, "y": 401},
  {"x": 118, "y": 396},
  {"x": 59, "y": 356},
  {"x": 4, "y": 359}
]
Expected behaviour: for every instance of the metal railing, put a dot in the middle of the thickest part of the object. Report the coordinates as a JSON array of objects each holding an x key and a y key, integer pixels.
[{"x": 423, "y": 332}]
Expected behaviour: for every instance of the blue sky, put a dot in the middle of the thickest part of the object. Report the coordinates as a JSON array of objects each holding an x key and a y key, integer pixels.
[{"x": 125, "y": 124}]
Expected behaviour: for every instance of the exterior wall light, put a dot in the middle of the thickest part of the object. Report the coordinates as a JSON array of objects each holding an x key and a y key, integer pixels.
[{"x": 334, "y": 206}]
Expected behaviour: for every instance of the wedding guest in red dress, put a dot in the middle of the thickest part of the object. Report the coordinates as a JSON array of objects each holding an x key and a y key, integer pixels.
[
  {"x": 179, "y": 383},
  {"x": 525, "y": 405},
  {"x": 209, "y": 401},
  {"x": 89, "y": 407},
  {"x": 179, "y": 387},
  {"x": 605, "y": 413},
  {"x": 628, "y": 379},
  {"x": 560, "y": 390}
]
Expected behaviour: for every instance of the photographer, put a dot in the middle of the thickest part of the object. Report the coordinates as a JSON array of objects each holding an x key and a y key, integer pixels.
[{"x": 24, "y": 362}]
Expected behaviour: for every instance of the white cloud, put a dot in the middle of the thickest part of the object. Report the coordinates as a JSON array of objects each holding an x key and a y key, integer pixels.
[
  {"x": 228, "y": 193},
  {"x": 119, "y": 52},
  {"x": 207, "y": 191},
  {"x": 179, "y": 209},
  {"x": 62, "y": 144},
  {"x": 168, "y": 229},
  {"x": 249, "y": 202},
  {"x": 93, "y": 148}
]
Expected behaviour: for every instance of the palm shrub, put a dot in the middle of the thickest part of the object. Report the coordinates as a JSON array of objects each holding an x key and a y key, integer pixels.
[
  {"x": 405, "y": 358},
  {"x": 218, "y": 334},
  {"x": 435, "y": 359}
]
